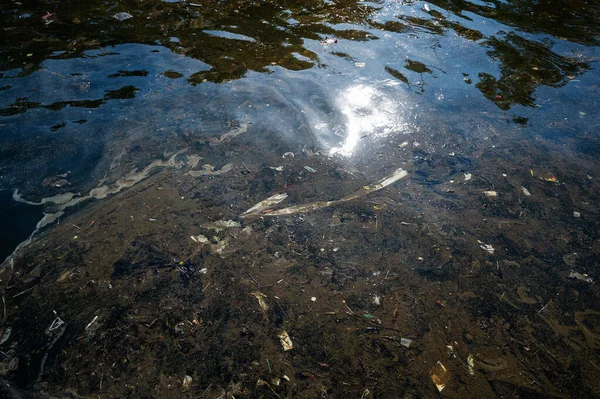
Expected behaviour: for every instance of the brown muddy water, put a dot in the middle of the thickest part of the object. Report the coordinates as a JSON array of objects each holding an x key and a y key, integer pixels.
[{"x": 311, "y": 199}]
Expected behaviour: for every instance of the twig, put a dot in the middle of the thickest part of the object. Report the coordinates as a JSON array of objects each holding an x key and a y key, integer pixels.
[
  {"x": 4, "y": 318},
  {"x": 207, "y": 388},
  {"x": 150, "y": 325},
  {"x": 545, "y": 306},
  {"x": 252, "y": 278},
  {"x": 22, "y": 292}
]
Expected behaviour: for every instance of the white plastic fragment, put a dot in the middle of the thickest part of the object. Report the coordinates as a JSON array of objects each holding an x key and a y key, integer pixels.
[
  {"x": 468, "y": 176},
  {"x": 359, "y": 64},
  {"x": 122, "y": 16},
  {"x": 265, "y": 204},
  {"x": 405, "y": 342},
  {"x": 471, "y": 364},
  {"x": 200, "y": 239},
  {"x": 491, "y": 193},
  {"x": 576, "y": 214},
  {"x": 286, "y": 341},
  {"x": 486, "y": 247},
  {"x": 260, "y": 297},
  {"x": 525, "y": 191},
  {"x": 582, "y": 277},
  {"x": 187, "y": 381},
  {"x": 91, "y": 323}
]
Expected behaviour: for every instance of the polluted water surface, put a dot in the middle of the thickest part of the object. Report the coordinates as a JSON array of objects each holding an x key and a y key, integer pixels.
[{"x": 299, "y": 200}]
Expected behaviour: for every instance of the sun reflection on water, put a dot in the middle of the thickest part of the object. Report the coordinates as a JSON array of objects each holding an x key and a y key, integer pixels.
[{"x": 369, "y": 113}]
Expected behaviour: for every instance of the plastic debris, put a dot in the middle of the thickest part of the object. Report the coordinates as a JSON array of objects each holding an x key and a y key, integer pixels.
[
  {"x": 286, "y": 341},
  {"x": 468, "y": 176},
  {"x": 187, "y": 382},
  {"x": 221, "y": 225},
  {"x": 200, "y": 239},
  {"x": 471, "y": 364},
  {"x": 582, "y": 277},
  {"x": 491, "y": 193},
  {"x": 311, "y": 170},
  {"x": 405, "y": 342},
  {"x": 56, "y": 324},
  {"x": 486, "y": 247},
  {"x": 360, "y": 64},
  {"x": 260, "y": 297},
  {"x": 91, "y": 324},
  {"x": 426, "y": 8},
  {"x": 287, "y": 155},
  {"x": 265, "y": 204},
  {"x": 551, "y": 179},
  {"x": 525, "y": 191},
  {"x": 277, "y": 168},
  {"x": 440, "y": 376},
  {"x": 122, "y": 16},
  {"x": 576, "y": 214},
  {"x": 6, "y": 335}
]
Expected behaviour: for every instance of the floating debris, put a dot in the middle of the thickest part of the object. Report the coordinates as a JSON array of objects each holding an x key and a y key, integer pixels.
[
  {"x": 260, "y": 297},
  {"x": 200, "y": 239},
  {"x": 276, "y": 168},
  {"x": 426, "y": 8},
  {"x": 440, "y": 376},
  {"x": 471, "y": 364},
  {"x": 468, "y": 176},
  {"x": 576, "y": 214},
  {"x": 486, "y": 247},
  {"x": 286, "y": 341},
  {"x": 187, "y": 382},
  {"x": 405, "y": 342},
  {"x": 265, "y": 204},
  {"x": 525, "y": 191},
  {"x": 287, "y": 155},
  {"x": 551, "y": 179},
  {"x": 6, "y": 335},
  {"x": 582, "y": 277},
  {"x": 122, "y": 16},
  {"x": 92, "y": 324},
  {"x": 360, "y": 64},
  {"x": 243, "y": 128},
  {"x": 311, "y": 170},
  {"x": 491, "y": 193},
  {"x": 378, "y": 185},
  {"x": 57, "y": 323},
  {"x": 221, "y": 225}
]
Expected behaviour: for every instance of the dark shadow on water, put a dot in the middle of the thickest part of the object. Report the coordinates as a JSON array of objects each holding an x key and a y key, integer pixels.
[{"x": 17, "y": 222}]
